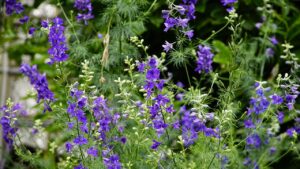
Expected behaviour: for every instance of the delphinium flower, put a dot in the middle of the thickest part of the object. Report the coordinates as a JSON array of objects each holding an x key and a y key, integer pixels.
[
  {"x": 13, "y": 6},
  {"x": 8, "y": 122},
  {"x": 24, "y": 19},
  {"x": 31, "y": 30},
  {"x": 112, "y": 162},
  {"x": 192, "y": 125},
  {"x": 274, "y": 40},
  {"x": 85, "y": 7},
  {"x": 103, "y": 117},
  {"x": 40, "y": 84},
  {"x": 57, "y": 41},
  {"x": 185, "y": 12},
  {"x": 168, "y": 46},
  {"x": 205, "y": 59},
  {"x": 229, "y": 4},
  {"x": 270, "y": 52},
  {"x": 80, "y": 166}
]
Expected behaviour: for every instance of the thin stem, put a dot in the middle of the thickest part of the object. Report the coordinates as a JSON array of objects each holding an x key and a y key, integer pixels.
[
  {"x": 81, "y": 153},
  {"x": 68, "y": 20},
  {"x": 187, "y": 74},
  {"x": 150, "y": 8},
  {"x": 215, "y": 33},
  {"x": 168, "y": 138}
]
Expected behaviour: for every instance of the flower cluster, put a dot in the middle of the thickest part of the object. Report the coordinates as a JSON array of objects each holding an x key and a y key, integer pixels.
[
  {"x": 12, "y": 6},
  {"x": 99, "y": 126},
  {"x": 192, "y": 125},
  {"x": 186, "y": 12},
  {"x": 205, "y": 59},
  {"x": 40, "y": 84},
  {"x": 152, "y": 76},
  {"x": 85, "y": 6},
  {"x": 261, "y": 104},
  {"x": 8, "y": 121},
  {"x": 57, "y": 41}
]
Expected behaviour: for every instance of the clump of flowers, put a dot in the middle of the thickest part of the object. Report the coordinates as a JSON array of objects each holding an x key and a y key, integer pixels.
[
  {"x": 205, "y": 59},
  {"x": 57, "y": 41},
  {"x": 40, "y": 84},
  {"x": 8, "y": 121},
  {"x": 85, "y": 7},
  {"x": 13, "y": 6}
]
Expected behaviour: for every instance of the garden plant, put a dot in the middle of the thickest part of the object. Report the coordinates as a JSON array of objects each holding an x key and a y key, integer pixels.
[{"x": 167, "y": 84}]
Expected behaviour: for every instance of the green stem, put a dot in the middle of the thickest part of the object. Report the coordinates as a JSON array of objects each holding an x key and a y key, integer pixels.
[
  {"x": 187, "y": 74},
  {"x": 68, "y": 20}
]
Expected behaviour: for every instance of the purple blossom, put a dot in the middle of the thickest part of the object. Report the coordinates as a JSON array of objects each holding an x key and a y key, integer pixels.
[
  {"x": 44, "y": 24},
  {"x": 69, "y": 147},
  {"x": 276, "y": 99},
  {"x": 280, "y": 117},
  {"x": 167, "y": 46},
  {"x": 80, "y": 166},
  {"x": 270, "y": 52},
  {"x": 40, "y": 84},
  {"x": 141, "y": 67},
  {"x": 80, "y": 140},
  {"x": 24, "y": 19},
  {"x": 85, "y": 7},
  {"x": 273, "y": 40},
  {"x": 228, "y": 2},
  {"x": 249, "y": 124},
  {"x": 92, "y": 151},
  {"x": 189, "y": 34},
  {"x": 155, "y": 144},
  {"x": 170, "y": 23},
  {"x": 253, "y": 140},
  {"x": 290, "y": 132},
  {"x": 12, "y": 6},
  {"x": 205, "y": 59},
  {"x": 57, "y": 41},
  {"x": 31, "y": 30},
  {"x": 258, "y": 25},
  {"x": 112, "y": 162}
]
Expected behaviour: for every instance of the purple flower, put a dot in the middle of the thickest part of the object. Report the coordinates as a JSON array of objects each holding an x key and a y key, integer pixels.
[
  {"x": 80, "y": 140},
  {"x": 280, "y": 117},
  {"x": 31, "y": 30},
  {"x": 276, "y": 99},
  {"x": 228, "y": 2},
  {"x": 290, "y": 132},
  {"x": 69, "y": 147},
  {"x": 182, "y": 22},
  {"x": 155, "y": 144},
  {"x": 189, "y": 34},
  {"x": 80, "y": 166},
  {"x": 153, "y": 74},
  {"x": 258, "y": 25},
  {"x": 141, "y": 67},
  {"x": 167, "y": 46},
  {"x": 84, "y": 6},
  {"x": 170, "y": 23},
  {"x": 249, "y": 124},
  {"x": 44, "y": 24},
  {"x": 40, "y": 84},
  {"x": 92, "y": 151},
  {"x": 273, "y": 40},
  {"x": 270, "y": 52},
  {"x": 112, "y": 162},
  {"x": 12, "y": 6},
  {"x": 24, "y": 19},
  {"x": 57, "y": 41},
  {"x": 253, "y": 140},
  {"x": 204, "y": 62},
  {"x": 123, "y": 140}
]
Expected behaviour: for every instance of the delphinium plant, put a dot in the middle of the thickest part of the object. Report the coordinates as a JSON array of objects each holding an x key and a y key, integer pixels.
[{"x": 106, "y": 97}]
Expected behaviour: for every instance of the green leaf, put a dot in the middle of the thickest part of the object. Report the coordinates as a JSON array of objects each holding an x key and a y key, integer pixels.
[{"x": 224, "y": 54}]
